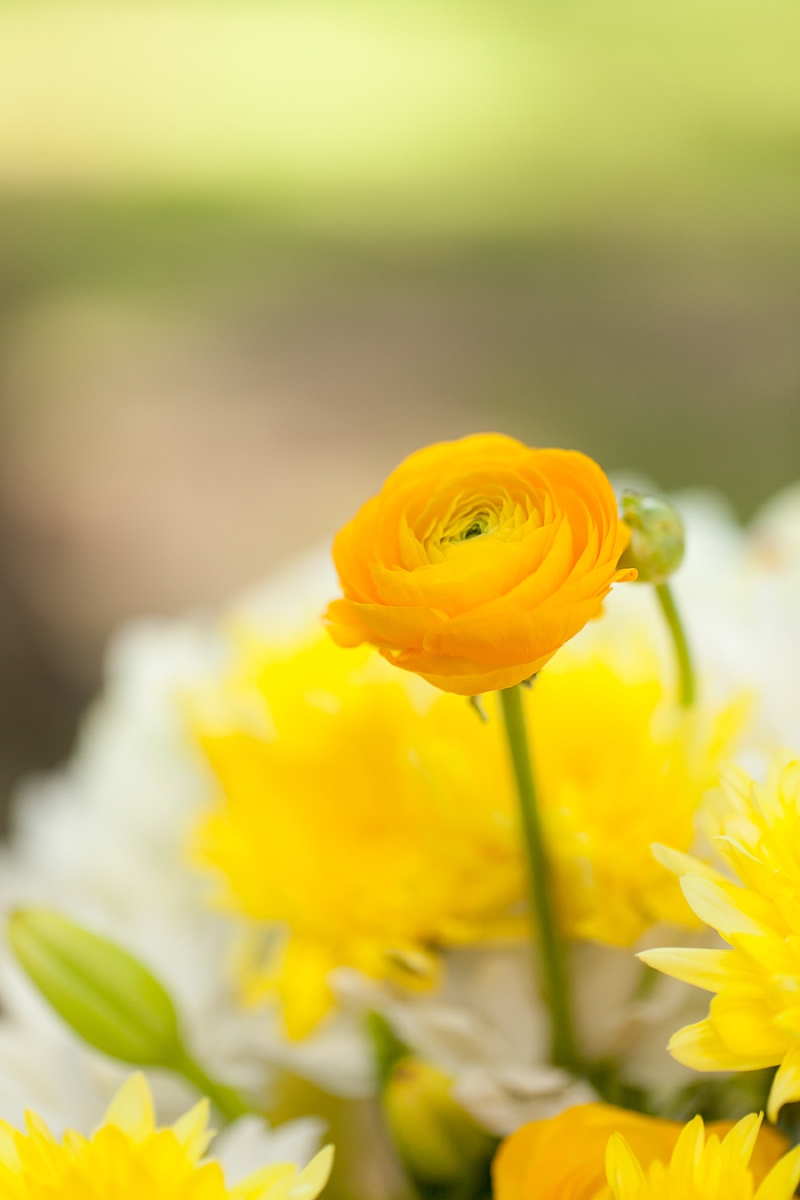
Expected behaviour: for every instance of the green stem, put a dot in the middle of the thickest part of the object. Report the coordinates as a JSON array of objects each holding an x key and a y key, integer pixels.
[
  {"x": 388, "y": 1052},
  {"x": 685, "y": 671},
  {"x": 554, "y": 982},
  {"x": 387, "y": 1049},
  {"x": 228, "y": 1102}
]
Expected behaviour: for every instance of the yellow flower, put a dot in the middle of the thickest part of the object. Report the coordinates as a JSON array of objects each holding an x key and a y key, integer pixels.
[
  {"x": 617, "y": 770},
  {"x": 701, "y": 1169},
  {"x": 477, "y": 560},
  {"x": 129, "y": 1159},
  {"x": 357, "y": 819},
  {"x": 754, "y": 1019},
  {"x": 375, "y": 818},
  {"x": 566, "y": 1156}
]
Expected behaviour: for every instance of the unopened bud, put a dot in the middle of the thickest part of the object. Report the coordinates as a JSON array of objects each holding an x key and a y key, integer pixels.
[
  {"x": 439, "y": 1142},
  {"x": 102, "y": 992},
  {"x": 657, "y": 537}
]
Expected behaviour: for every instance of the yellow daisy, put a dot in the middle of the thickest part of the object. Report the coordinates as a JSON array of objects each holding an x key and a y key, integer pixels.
[
  {"x": 701, "y": 1168},
  {"x": 129, "y": 1159},
  {"x": 754, "y": 1018},
  {"x": 375, "y": 816},
  {"x": 565, "y": 1156}
]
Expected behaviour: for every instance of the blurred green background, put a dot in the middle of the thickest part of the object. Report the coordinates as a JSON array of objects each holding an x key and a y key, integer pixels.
[{"x": 252, "y": 252}]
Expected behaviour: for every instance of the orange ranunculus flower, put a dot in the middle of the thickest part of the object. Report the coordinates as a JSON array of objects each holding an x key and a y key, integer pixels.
[
  {"x": 566, "y": 1155},
  {"x": 477, "y": 560}
]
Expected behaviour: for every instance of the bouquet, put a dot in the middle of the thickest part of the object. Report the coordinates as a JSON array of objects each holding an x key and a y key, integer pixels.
[{"x": 414, "y": 869}]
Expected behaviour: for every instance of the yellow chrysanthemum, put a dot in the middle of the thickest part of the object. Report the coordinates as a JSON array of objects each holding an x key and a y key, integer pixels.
[
  {"x": 701, "y": 1168},
  {"x": 129, "y": 1159},
  {"x": 564, "y": 1156},
  {"x": 754, "y": 1019},
  {"x": 375, "y": 816},
  {"x": 615, "y": 764}
]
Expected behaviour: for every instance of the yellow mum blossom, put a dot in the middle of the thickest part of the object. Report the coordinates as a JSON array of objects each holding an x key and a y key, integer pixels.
[
  {"x": 754, "y": 1019},
  {"x": 353, "y": 815},
  {"x": 129, "y": 1159},
  {"x": 615, "y": 765},
  {"x": 375, "y": 818},
  {"x": 564, "y": 1157},
  {"x": 701, "y": 1168}
]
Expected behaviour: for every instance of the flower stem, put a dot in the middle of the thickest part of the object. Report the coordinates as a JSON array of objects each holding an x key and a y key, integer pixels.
[
  {"x": 387, "y": 1052},
  {"x": 227, "y": 1100},
  {"x": 554, "y": 983},
  {"x": 685, "y": 670}
]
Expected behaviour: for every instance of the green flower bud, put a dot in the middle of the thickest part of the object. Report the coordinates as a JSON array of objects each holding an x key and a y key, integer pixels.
[
  {"x": 657, "y": 537},
  {"x": 110, "y": 999},
  {"x": 103, "y": 993},
  {"x": 439, "y": 1142}
]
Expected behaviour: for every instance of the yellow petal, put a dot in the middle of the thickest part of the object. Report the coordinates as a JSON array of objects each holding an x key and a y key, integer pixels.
[
  {"x": 192, "y": 1130},
  {"x": 715, "y": 904},
  {"x": 625, "y": 1175},
  {"x": 9, "y": 1155},
  {"x": 738, "y": 1145},
  {"x": 131, "y": 1110},
  {"x": 312, "y": 1179},
  {"x": 771, "y": 956},
  {"x": 271, "y": 1182},
  {"x": 785, "y": 1085},
  {"x": 745, "y": 1025},
  {"x": 708, "y": 969},
  {"x": 701, "y": 1048},
  {"x": 737, "y": 785},
  {"x": 684, "y": 864},
  {"x": 688, "y": 1152},
  {"x": 789, "y": 1020},
  {"x": 303, "y": 986},
  {"x": 37, "y": 1126}
]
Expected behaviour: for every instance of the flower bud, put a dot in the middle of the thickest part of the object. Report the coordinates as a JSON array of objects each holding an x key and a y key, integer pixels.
[
  {"x": 439, "y": 1142},
  {"x": 657, "y": 537},
  {"x": 102, "y": 992}
]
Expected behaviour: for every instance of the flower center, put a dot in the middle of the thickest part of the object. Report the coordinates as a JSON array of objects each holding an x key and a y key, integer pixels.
[
  {"x": 475, "y": 530},
  {"x": 470, "y": 525}
]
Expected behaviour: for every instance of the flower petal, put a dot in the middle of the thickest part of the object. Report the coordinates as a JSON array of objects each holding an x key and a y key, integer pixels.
[
  {"x": 701, "y": 1048},
  {"x": 715, "y": 903},
  {"x": 625, "y": 1175},
  {"x": 131, "y": 1110},
  {"x": 786, "y": 1084},
  {"x": 708, "y": 969}
]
